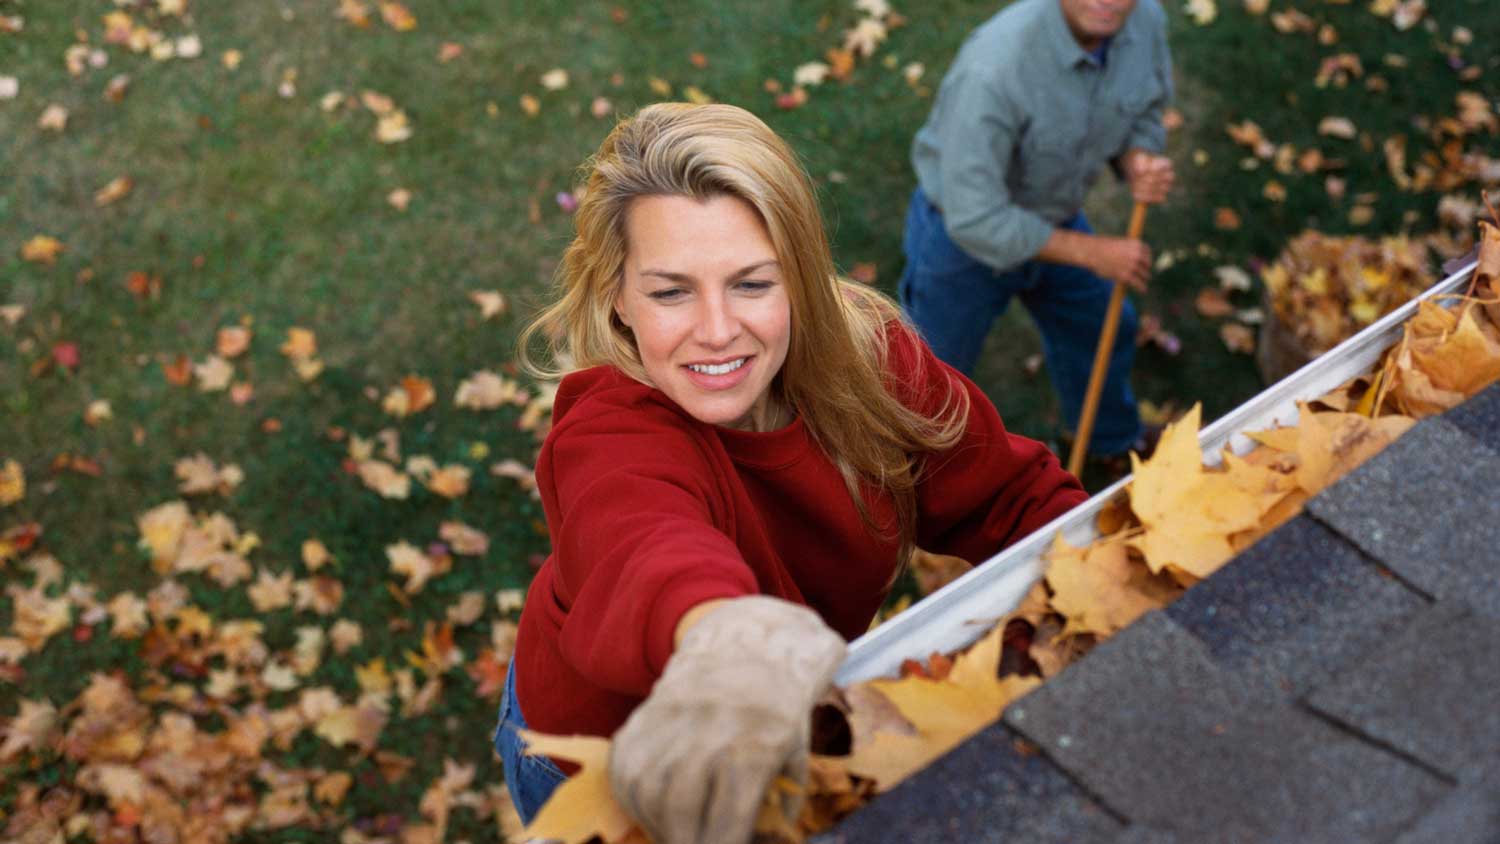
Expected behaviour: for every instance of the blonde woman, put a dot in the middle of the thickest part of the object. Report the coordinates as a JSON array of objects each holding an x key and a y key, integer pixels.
[{"x": 745, "y": 454}]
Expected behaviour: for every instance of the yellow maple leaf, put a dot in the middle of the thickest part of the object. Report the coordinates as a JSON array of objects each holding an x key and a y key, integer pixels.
[
  {"x": 1099, "y": 590},
  {"x": 301, "y": 344},
  {"x": 1330, "y": 445},
  {"x": 584, "y": 806},
  {"x": 12, "y": 483},
  {"x": 1187, "y": 512},
  {"x": 42, "y": 249},
  {"x": 943, "y": 712},
  {"x": 162, "y": 529}
]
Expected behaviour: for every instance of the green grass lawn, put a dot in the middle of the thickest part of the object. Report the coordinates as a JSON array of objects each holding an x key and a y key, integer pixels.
[{"x": 268, "y": 210}]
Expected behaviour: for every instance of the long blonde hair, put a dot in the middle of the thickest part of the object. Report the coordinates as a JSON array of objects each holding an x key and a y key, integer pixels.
[{"x": 833, "y": 375}]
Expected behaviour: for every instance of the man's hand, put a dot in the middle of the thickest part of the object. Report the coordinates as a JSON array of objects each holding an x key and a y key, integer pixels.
[
  {"x": 730, "y": 713},
  {"x": 1121, "y": 260},
  {"x": 1150, "y": 176}
]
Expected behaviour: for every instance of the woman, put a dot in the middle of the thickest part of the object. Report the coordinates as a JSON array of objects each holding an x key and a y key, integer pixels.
[{"x": 745, "y": 455}]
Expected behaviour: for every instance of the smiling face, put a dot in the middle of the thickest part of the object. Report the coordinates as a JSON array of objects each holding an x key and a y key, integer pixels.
[
  {"x": 707, "y": 302},
  {"x": 1092, "y": 21}
]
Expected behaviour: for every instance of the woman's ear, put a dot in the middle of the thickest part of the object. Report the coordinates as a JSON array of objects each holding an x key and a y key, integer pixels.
[{"x": 619, "y": 303}]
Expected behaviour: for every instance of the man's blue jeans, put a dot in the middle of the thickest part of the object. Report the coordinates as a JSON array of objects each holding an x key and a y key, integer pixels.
[
  {"x": 954, "y": 299},
  {"x": 531, "y": 779}
]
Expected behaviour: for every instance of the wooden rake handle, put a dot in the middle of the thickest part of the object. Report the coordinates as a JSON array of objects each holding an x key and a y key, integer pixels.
[{"x": 1102, "y": 354}]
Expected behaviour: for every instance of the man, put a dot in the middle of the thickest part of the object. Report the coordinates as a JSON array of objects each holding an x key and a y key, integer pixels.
[{"x": 1040, "y": 97}]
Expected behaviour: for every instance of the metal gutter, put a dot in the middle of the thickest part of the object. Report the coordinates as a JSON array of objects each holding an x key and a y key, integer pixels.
[{"x": 958, "y": 614}]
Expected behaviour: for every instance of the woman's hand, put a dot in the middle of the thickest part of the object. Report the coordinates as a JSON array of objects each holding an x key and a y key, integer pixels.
[{"x": 730, "y": 713}]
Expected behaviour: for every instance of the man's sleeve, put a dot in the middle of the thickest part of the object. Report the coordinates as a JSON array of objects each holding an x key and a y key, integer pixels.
[
  {"x": 638, "y": 542},
  {"x": 1147, "y": 132},
  {"x": 977, "y": 136}
]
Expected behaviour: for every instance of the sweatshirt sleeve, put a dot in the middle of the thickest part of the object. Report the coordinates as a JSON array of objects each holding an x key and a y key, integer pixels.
[
  {"x": 977, "y": 134},
  {"x": 638, "y": 520},
  {"x": 990, "y": 489}
]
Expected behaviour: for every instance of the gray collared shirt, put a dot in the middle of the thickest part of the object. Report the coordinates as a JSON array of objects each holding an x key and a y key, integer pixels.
[{"x": 1025, "y": 119}]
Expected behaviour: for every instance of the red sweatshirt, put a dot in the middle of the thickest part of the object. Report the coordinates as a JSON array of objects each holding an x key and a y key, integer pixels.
[{"x": 652, "y": 512}]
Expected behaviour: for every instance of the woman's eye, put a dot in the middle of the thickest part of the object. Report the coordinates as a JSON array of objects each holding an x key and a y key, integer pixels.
[
  {"x": 755, "y": 286},
  {"x": 666, "y": 295}
]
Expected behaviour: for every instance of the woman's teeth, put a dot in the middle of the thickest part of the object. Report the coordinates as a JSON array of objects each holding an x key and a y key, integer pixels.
[{"x": 717, "y": 369}]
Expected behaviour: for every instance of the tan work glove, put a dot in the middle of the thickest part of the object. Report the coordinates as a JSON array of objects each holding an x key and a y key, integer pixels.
[{"x": 730, "y": 713}]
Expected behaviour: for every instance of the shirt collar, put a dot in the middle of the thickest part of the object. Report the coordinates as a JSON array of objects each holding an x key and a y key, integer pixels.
[{"x": 1069, "y": 54}]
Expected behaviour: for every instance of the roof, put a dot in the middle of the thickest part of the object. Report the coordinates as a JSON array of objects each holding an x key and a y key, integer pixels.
[{"x": 1337, "y": 681}]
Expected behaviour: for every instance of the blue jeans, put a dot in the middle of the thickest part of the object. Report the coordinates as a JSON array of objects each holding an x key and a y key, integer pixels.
[
  {"x": 531, "y": 779},
  {"x": 953, "y": 300}
]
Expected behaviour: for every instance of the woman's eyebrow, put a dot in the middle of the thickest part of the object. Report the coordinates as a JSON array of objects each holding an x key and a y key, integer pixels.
[{"x": 683, "y": 277}]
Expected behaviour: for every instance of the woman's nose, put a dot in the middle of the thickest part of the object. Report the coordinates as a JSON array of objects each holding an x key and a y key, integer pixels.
[{"x": 718, "y": 324}]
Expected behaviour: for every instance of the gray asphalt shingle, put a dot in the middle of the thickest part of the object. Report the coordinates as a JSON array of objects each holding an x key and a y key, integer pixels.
[
  {"x": 1425, "y": 507},
  {"x": 1167, "y": 738},
  {"x": 1479, "y": 417},
  {"x": 1470, "y": 815},
  {"x": 1432, "y": 691},
  {"x": 1297, "y": 604},
  {"x": 988, "y": 791}
]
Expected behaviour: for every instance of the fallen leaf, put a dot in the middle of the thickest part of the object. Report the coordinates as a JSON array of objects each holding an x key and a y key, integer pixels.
[
  {"x": 1237, "y": 338},
  {"x": 1187, "y": 512},
  {"x": 116, "y": 190},
  {"x": 12, "y": 483},
  {"x": 1338, "y": 127},
  {"x": 54, "y": 119},
  {"x": 397, "y": 16},
  {"x": 584, "y": 805},
  {"x": 213, "y": 374},
  {"x": 1212, "y": 303},
  {"x": 411, "y": 562},
  {"x": 42, "y": 249},
  {"x": 1099, "y": 590},
  {"x": 943, "y": 713},
  {"x": 464, "y": 539},
  {"x": 232, "y": 341}
]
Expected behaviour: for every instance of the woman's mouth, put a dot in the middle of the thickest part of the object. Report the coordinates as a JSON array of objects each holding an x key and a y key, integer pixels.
[
  {"x": 722, "y": 375},
  {"x": 717, "y": 368}
]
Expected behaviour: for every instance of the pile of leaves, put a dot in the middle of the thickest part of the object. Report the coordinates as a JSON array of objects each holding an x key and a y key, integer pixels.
[
  {"x": 1325, "y": 288},
  {"x": 1178, "y": 522}
]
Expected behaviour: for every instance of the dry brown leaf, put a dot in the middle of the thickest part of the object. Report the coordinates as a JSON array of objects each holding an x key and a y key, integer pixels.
[
  {"x": 1237, "y": 338},
  {"x": 463, "y": 539},
  {"x": 1212, "y": 303},
  {"x": 934, "y": 571}
]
